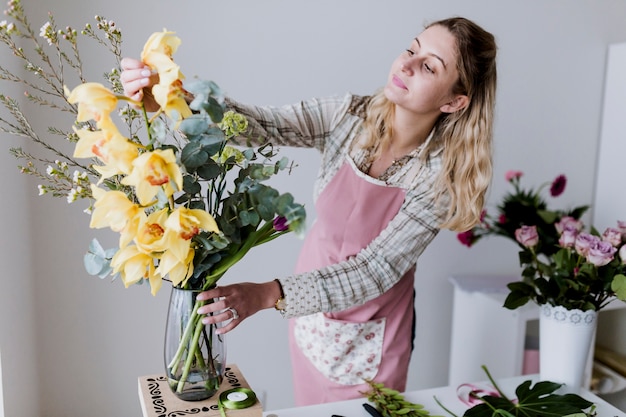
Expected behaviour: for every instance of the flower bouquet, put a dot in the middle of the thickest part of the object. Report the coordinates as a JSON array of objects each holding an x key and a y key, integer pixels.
[
  {"x": 187, "y": 201},
  {"x": 562, "y": 264}
]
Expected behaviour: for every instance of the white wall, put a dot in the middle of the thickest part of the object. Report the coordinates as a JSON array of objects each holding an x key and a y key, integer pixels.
[
  {"x": 609, "y": 204},
  {"x": 18, "y": 342},
  {"x": 93, "y": 339},
  {"x": 1, "y": 390}
]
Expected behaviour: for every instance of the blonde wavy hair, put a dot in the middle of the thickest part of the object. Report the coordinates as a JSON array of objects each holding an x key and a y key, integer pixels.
[{"x": 466, "y": 135}]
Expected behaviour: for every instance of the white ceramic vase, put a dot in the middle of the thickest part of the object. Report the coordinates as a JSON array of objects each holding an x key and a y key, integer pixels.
[{"x": 565, "y": 341}]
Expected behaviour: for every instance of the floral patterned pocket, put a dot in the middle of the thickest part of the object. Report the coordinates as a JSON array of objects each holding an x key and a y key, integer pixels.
[{"x": 344, "y": 352}]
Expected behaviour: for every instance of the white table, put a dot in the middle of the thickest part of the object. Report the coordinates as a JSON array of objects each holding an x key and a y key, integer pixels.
[{"x": 446, "y": 395}]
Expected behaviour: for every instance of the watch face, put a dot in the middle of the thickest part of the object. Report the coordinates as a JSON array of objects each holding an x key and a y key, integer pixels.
[{"x": 280, "y": 304}]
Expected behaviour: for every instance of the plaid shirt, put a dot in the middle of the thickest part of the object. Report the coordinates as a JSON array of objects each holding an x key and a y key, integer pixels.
[{"x": 331, "y": 125}]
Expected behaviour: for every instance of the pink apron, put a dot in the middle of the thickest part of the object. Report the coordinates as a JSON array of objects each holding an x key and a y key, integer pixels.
[{"x": 333, "y": 353}]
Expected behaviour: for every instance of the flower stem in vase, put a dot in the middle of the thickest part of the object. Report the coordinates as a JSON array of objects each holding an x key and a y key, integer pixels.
[
  {"x": 191, "y": 324},
  {"x": 195, "y": 362},
  {"x": 191, "y": 354}
]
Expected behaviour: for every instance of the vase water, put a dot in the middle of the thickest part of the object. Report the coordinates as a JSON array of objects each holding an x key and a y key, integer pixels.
[{"x": 195, "y": 356}]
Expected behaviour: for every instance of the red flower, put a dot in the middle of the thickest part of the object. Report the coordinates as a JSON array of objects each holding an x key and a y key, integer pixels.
[
  {"x": 558, "y": 186},
  {"x": 466, "y": 238}
]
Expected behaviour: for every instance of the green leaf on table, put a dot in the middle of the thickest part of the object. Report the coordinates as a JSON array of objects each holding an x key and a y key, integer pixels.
[{"x": 535, "y": 401}]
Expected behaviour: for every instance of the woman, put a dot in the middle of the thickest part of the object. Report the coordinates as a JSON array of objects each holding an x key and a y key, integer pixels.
[{"x": 396, "y": 168}]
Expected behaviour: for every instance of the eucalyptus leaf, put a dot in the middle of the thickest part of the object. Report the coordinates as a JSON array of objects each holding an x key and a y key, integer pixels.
[
  {"x": 193, "y": 155},
  {"x": 194, "y": 125},
  {"x": 212, "y": 136},
  {"x": 249, "y": 154},
  {"x": 97, "y": 261},
  {"x": 190, "y": 185},
  {"x": 283, "y": 163},
  {"x": 209, "y": 170}
]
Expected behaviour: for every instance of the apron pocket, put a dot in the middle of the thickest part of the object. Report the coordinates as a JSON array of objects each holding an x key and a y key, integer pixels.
[{"x": 344, "y": 352}]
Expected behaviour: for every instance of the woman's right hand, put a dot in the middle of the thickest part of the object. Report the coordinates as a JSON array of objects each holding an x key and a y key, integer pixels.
[{"x": 137, "y": 80}]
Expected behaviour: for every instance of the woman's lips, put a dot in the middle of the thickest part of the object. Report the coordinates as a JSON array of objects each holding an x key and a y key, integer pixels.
[{"x": 398, "y": 82}]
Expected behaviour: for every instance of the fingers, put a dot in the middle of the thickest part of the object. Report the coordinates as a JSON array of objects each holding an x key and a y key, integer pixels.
[
  {"x": 232, "y": 304},
  {"x": 135, "y": 77},
  {"x": 218, "y": 313},
  {"x": 131, "y": 63},
  {"x": 133, "y": 82}
]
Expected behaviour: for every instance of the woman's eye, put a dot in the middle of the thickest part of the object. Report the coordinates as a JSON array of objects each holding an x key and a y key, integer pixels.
[
  {"x": 410, "y": 52},
  {"x": 428, "y": 68}
]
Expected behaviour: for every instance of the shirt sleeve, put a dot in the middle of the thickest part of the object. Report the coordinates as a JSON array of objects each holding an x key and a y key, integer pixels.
[
  {"x": 305, "y": 124},
  {"x": 377, "y": 267}
]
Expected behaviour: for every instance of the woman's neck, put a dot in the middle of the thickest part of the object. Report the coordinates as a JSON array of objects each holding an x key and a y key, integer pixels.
[{"x": 409, "y": 132}]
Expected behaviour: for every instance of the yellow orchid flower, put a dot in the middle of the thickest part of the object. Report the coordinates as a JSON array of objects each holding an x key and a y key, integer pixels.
[
  {"x": 134, "y": 265},
  {"x": 110, "y": 147},
  {"x": 165, "y": 42},
  {"x": 95, "y": 101},
  {"x": 153, "y": 171},
  {"x": 113, "y": 209},
  {"x": 171, "y": 98},
  {"x": 152, "y": 235},
  {"x": 178, "y": 270},
  {"x": 187, "y": 223},
  {"x": 168, "y": 70}
]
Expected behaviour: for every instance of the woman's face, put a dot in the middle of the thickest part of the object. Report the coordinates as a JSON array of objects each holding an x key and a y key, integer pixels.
[{"x": 421, "y": 78}]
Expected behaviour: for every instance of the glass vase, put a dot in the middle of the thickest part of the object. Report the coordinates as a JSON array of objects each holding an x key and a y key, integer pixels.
[{"x": 195, "y": 357}]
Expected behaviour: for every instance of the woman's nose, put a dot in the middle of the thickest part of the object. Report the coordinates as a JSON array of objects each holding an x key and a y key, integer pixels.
[{"x": 406, "y": 66}]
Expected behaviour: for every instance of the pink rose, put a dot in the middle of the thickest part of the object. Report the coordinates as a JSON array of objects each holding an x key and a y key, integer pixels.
[
  {"x": 513, "y": 175},
  {"x": 568, "y": 221},
  {"x": 568, "y": 236},
  {"x": 601, "y": 253},
  {"x": 583, "y": 242},
  {"x": 621, "y": 225},
  {"x": 622, "y": 254},
  {"x": 527, "y": 236},
  {"x": 613, "y": 236}
]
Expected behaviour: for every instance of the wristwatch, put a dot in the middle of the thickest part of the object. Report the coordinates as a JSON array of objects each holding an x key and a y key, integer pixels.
[{"x": 280, "y": 304}]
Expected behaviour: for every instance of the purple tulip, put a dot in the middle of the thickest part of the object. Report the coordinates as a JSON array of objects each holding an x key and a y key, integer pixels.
[{"x": 280, "y": 224}]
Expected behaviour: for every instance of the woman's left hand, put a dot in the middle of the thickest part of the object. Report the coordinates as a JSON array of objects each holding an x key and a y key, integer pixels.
[{"x": 234, "y": 303}]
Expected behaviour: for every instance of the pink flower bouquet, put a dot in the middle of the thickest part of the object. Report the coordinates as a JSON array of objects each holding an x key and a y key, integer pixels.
[{"x": 561, "y": 264}]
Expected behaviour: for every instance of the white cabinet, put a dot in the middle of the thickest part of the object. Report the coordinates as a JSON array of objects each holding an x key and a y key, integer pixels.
[{"x": 486, "y": 333}]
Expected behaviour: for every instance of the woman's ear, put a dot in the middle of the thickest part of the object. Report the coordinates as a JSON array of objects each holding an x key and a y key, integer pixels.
[{"x": 457, "y": 103}]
